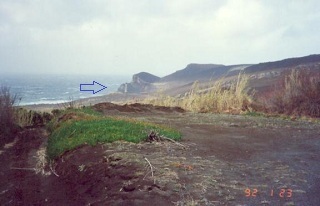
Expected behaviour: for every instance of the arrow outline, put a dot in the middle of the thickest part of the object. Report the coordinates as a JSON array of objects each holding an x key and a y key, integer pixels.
[{"x": 90, "y": 90}]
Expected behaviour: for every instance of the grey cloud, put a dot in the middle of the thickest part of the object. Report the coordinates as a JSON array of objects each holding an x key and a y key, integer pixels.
[{"x": 159, "y": 36}]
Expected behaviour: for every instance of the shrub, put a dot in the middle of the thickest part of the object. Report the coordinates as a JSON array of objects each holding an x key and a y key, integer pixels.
[
  {"x": 56, "y": 112},
  {"x": 24, "y": 117},
  {"x": 7, "y": 125},
  {"x": 297, "y": 93}
]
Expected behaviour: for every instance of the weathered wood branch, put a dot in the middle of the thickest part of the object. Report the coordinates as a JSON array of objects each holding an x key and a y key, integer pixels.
[{"x": 151, "y": 168}]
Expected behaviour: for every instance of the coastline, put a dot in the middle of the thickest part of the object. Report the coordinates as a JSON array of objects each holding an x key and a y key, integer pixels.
[{"x": 117, "y": 97}]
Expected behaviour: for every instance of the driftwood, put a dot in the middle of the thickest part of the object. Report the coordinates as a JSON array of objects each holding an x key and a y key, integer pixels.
[
  {"x": 171, "y": 140},
  {"x": 52, "y": 169},
  {"x": 154, "y": 136},
  {"x": 151, "y": 168}
]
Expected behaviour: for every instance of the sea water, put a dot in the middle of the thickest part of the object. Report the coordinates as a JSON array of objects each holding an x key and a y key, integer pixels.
[{"x": 53, "y": 89}]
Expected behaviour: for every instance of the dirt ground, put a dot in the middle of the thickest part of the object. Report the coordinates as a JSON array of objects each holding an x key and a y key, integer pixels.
[{"x": 227, "y": 160}]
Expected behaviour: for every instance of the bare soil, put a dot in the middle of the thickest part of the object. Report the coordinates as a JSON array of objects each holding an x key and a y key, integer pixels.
[{"x": 225, "y": 157}]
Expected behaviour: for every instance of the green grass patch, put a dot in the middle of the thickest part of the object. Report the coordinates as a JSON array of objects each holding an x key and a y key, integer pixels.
[
  {"x": 75, "y": 128},
  {"x": 63, "y": 116}
]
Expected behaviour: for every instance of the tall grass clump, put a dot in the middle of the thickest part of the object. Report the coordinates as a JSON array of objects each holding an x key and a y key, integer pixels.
[
  {"x": 7, "y": 124},
  {"x": 219, "y": 97},
  {"x": 298, "y": 93}
]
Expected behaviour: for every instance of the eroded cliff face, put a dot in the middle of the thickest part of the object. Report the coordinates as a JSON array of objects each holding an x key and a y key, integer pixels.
[{"x": 141, "y": 83}]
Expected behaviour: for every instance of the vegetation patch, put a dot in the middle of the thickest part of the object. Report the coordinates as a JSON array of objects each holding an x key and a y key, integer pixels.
[
  {"x": 25, "y": 118},
  {"x": 8, "y": 126},
  {"x": 74, "y": 128},
  {"x": 219, "y": 97},
  {"x": 297, "y": 93}
]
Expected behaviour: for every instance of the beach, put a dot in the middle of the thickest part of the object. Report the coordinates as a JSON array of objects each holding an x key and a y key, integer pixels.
[{"x": 115, "y": 97}]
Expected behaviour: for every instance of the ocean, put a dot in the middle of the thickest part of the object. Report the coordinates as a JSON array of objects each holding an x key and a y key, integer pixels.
[{"x": 53, "y": 89}]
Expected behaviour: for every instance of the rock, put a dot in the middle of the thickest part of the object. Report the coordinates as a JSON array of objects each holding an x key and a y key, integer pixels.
[
  {"x": 264, "y": 202},
  {"x": 129, "y": 188}
]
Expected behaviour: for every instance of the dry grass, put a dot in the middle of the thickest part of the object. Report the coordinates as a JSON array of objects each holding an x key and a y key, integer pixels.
[
  {"x": 161, "y": 99},
  {"x": 219, "y": 97},
  {"x": 24, "y": 117},
  {"x": 70, "y": 104},
  {"x": 42, "y": 162}
]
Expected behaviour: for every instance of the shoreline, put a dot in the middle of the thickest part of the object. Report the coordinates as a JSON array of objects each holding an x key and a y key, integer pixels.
[{"x": 118, "y": 98}]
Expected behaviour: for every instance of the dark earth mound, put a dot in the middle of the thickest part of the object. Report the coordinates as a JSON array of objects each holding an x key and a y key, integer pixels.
[{"x": 107, "y": 107}]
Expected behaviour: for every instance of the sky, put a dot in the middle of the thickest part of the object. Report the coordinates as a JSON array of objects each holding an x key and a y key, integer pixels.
[{"x": 123, "y": 37}]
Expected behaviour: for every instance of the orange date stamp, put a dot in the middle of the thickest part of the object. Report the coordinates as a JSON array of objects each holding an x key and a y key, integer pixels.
[{"x": 281, "y": 193}]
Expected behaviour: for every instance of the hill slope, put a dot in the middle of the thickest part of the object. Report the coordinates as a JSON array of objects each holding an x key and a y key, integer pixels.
[
  {"x": 261, "y": 75},
  {"x": 286, "y": 63}
]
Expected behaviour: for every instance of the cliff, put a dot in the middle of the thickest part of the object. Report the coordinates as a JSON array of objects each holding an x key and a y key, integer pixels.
[{"x": 141, "y": 82}]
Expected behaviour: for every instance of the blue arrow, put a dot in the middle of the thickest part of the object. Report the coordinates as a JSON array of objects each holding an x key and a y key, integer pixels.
[{"x": 94, "y": 83}]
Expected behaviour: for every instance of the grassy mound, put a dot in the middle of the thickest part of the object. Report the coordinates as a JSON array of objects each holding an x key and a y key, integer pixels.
[{"x": 73, "y": 128}]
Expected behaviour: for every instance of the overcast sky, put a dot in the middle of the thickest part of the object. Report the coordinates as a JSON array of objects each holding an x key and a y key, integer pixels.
[{"x": 157, "y": 36}]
